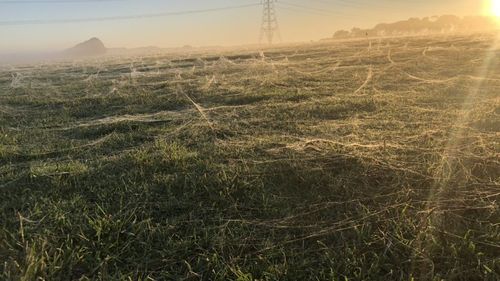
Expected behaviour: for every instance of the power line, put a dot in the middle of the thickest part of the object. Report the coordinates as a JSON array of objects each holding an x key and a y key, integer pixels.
[
  {"x": 115, "y": 18},
  {"x": 269, "y": 22},
  {"x": 56, "y": 1},
  {"x": 311, "y": 8},
  {"x": 303, "y": 11}
]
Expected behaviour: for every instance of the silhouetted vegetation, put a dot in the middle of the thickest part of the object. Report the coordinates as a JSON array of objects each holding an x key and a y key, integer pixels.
[{"x": 427, "y": 25}]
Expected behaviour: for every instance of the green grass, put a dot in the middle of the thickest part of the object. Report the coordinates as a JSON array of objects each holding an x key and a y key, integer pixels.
[{"x": 236, "y": 167}]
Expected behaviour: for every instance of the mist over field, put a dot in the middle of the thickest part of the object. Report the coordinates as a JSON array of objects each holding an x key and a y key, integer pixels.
[
  {"x": 353, "y": 150},
  {"x": 446, "y": 24}
]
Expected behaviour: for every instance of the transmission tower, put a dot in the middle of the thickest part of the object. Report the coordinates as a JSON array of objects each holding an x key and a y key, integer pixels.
[{"x": 270, "y": 26}]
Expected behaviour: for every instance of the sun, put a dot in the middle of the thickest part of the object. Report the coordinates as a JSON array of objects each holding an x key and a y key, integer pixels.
[{"x": 495, "y": 7}]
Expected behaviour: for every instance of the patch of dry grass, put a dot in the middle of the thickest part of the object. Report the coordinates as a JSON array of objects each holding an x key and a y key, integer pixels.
[{"x": 331, "y": 161}]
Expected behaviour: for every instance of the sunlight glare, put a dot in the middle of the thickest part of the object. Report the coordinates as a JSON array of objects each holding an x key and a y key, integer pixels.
[{"x": 495, "y": 7}]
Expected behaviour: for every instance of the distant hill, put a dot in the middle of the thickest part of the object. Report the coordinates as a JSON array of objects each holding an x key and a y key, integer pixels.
[
  {"x": 427, "y": 25},
  {"x": 91, "y": 47}
]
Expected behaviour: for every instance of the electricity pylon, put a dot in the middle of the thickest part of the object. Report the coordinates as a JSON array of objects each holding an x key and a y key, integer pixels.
[{"x": 270, "y": 26}]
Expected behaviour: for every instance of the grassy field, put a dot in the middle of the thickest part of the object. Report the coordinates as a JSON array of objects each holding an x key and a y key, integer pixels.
[{"x": 365, "y": 160}]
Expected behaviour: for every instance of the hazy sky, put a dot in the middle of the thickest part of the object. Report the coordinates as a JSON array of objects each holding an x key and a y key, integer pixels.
[{"x": 299, "y": 20}]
